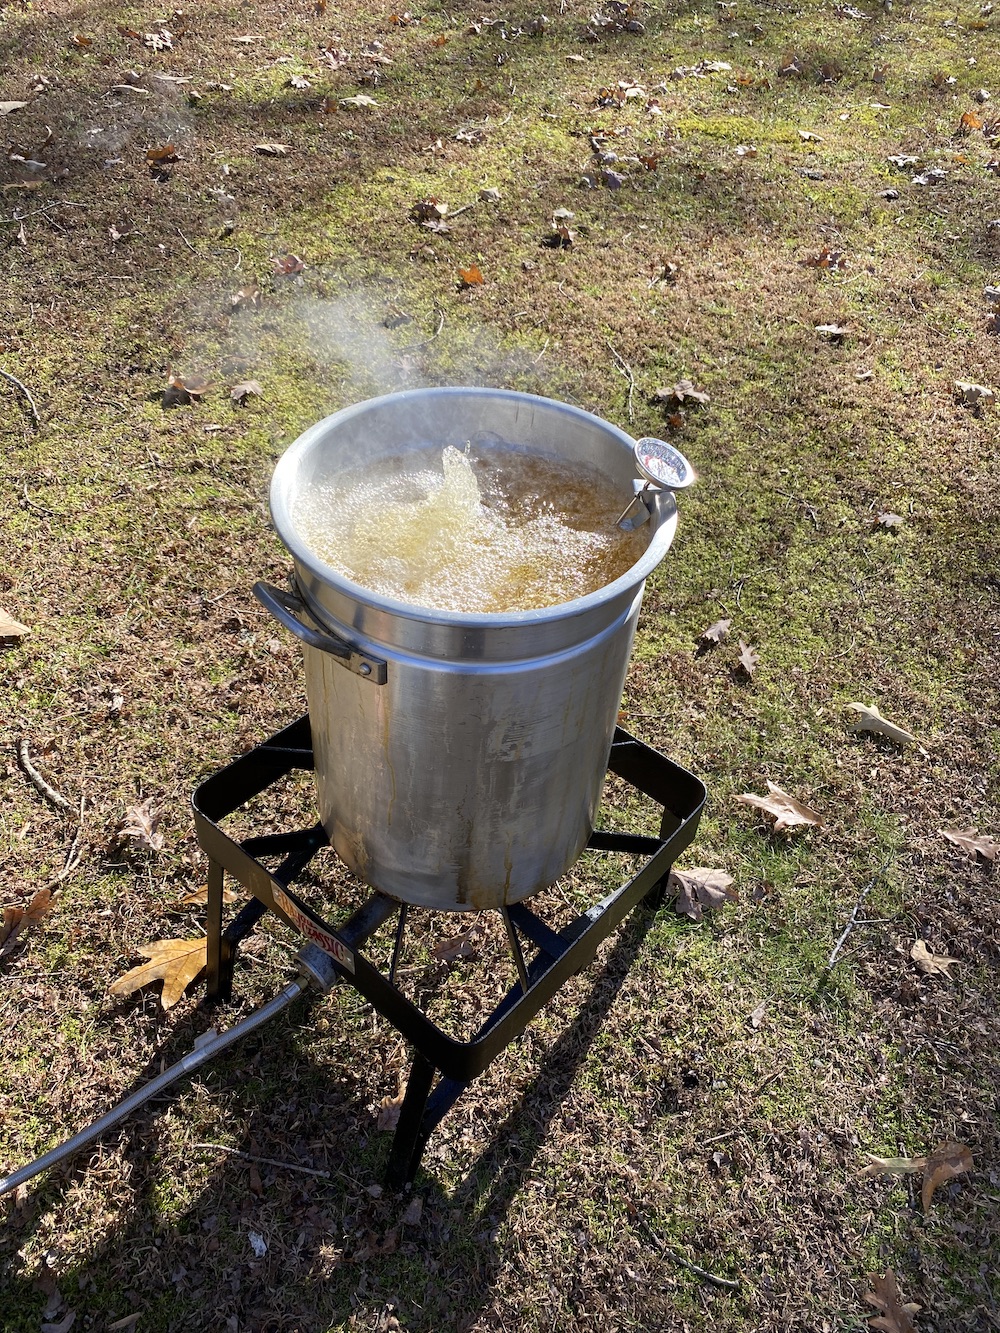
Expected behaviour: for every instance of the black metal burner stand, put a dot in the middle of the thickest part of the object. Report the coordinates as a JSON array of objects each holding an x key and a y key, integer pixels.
[{"x": 677, "y": 793}]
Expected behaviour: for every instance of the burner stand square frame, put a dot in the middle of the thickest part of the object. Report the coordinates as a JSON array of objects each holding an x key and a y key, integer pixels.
[{"x": 442, "y": 1067}]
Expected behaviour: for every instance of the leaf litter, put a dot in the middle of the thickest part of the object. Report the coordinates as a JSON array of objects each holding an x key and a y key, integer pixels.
[
  {"x": 787, "y": 811},
  {"x": 948, "y": 1160},
  {"x": 177, "y": 963}
]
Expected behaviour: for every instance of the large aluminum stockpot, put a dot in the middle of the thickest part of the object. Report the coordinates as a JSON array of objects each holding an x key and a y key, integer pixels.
[{"x": 459, "y": 757}]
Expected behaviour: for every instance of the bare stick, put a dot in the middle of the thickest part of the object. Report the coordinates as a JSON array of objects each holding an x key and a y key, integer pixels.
[
  {"x": 411, "y": 347},
  {"x": 12, "y": 379},
  {"x": 810, "y": 510},
  {"x": 44, "y": 788},
  {"x": 264, "y": 1161},
  {"x": 727, "y": 1283},
  {"x": 852, "y": 920},
  {"x": 626, "y": 370},
  {"x": 185, "y": 240}
]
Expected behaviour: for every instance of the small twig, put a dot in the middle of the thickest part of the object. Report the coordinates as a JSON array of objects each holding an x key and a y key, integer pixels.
[
  {"x": 12, "y": 379},
  {"x": 717, "y": 1138},
  {"x": 30, "y": 504},
  {"x": 44, "y": 788},
  {"x": 852, "y": 920},
  {"x": 264, "y": 1161},
  {"x": 454, "y": 212},
  {"x": 765, "y": 1082},
  {"x": 727, "y": 1283},
  {"x": 541, "y": 353},
  {"x": 412, "y": 347},
  {"x": 185, "y": 240},
  {"x": 799, "y": 501},
  {"x": 626, "y": 370}
]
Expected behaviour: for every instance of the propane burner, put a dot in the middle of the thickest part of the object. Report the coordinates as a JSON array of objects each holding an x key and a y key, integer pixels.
[{"x": 543, "y": 956}]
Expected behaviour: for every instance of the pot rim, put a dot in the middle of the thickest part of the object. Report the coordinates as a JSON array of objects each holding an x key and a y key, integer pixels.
[{"x": 305, "y": 557}]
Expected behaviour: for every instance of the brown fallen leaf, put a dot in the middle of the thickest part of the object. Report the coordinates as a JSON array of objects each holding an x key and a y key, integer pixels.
[
  {"x": 833, "y": 260},
  {"x": 893, "y": 1166},
  {"x": 11, "y": 628},
  {"x": 141, "y": 828},
  {"x": 895, "y": 1317},
  {"x": 162, "y": 156},
  {"x": 870, "y": 719},
  {"x": 463, "y": 945},
  {"x": 973, "y": 842},
  {"x": 62, "y": 1325},
  {"x": 945, "y": 1162},
  {"x": 700, "y": 890},
  {"x": 389, "y": 1109},
  {"x": 247, "y": 298},
  {"x": 7, "y": 107},
  {"x": 749, "y": 659},
  {"x": 932, "y": 964},
  {"x": 19, "y": 919},
  {"x": 239, "y": 393},
  {"x": 429, "y": 209},
  {"x": 184, "y": 389},
  {"x": 786, "y": 809},
  {"x": 287, "y": 265},
  {"x": 272, "y": 149},
  {"x": 715, "y": 633},
  {"x": 177, "y": 963},
  {"x": 973, "y": 395},
  {"x": 680, "y": 394},
  {"x": 471, "y": 276},
  {"x": 201, "y": 896}
]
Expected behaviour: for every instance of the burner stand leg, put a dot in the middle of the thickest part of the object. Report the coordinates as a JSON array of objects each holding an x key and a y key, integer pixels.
[
  {"x": 411, "y": 1136},
  {"x": 219, "y": 972}
]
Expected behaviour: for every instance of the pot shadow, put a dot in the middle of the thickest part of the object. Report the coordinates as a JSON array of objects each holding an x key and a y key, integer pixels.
[{"x": 268, "y": 1243}]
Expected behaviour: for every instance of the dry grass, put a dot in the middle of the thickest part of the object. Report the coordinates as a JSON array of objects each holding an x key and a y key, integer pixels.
[{"x": 647, "y": 1121}]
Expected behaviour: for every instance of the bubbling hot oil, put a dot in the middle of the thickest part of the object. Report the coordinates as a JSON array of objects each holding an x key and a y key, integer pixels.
[{"x": 493, "y": 531}]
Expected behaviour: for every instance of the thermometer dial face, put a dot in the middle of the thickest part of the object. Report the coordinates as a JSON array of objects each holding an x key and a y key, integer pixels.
[{"x": 662, "y": 464}]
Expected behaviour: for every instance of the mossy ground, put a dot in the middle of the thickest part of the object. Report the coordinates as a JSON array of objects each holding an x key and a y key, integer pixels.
[{"x": 704, "y": 1093}]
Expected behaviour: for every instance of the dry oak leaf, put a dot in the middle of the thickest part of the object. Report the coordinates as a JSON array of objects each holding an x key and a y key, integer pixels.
[
  {"x": 174, "y": 962},
  {"x": 715, "y": 632},
  {"x": 359, "y": 101},
  {"x": 786, "y": 809},
  {"x": 471, "y": 276},
  {"x": 749, "y": 659},
  {"x": 870, "y": 719},
  {"x": 932, "y": 964},
  {"x": 972, "y": 841},
  {"x": 885, "y": 518},
  {"x": 973, "y": 395},
  {"x": 16, "y": 919},
  {"x": 895, "y": 1317},
  {"x": 682, "y": 392},
  {"x": 389, "y": 1109},
  {"x": 287, "y": 265},
  {"x": 272, "y": 149},
  {"x": 141, "y": 827},
  {"x": 945, "y": 1162},
  {"x": 463, "y": 945},
  {"x": 701, "y": 889},
  {"x": 11, "y": 628},
  {"x": 239, "y": 393}
]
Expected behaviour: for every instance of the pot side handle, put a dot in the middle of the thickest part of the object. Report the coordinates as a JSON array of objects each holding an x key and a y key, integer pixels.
[{"x": 287, "y": 608}]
